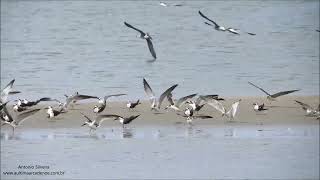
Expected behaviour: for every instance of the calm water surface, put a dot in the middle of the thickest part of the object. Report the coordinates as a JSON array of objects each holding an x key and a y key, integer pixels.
[
  {"x": 178, "y": 151},
  {"x": 58, "y": 47}
]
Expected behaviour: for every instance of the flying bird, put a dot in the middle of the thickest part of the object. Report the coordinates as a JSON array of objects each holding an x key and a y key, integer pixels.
[
  {"x": 76, "y": 97},
  {"x": 94, "y": 124},
  {"x": 132, "y": 105},
  {"x": 221, "y": 28},
  {"x": 124, "y": 120},
  {"x": 6, "y": 91},
  {"x": 232, "y": 111},
  {"x": 176, "y": 105},
  {"x": 14, "y": 122},
  {"x": 310, "y": 111},
  {"x": 103, "y": 103},
  {"x": 155, "y": 105},
  {"x": 145, "y": 36},
  {"x": 272, "y": 97},
  {"x": 190, "y": 115}
]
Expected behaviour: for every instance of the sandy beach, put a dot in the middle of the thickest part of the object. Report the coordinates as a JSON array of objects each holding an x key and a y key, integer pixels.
[{"x": 284, "y": 111}]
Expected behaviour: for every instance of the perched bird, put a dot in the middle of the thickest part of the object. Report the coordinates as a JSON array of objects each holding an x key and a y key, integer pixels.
[
  {"x": 176, "y": 105},
  {"x": 132, "y": 105},
  {"x": 257, "y": 107},
  {"x": 145, "y": 36},
  {"x": 53, "y": 113},
  {"x": 18, "y": 108},
  {"x": 14, "y": 122},
  {"x": 103, "y": 103},
  {"x": 221, "y": 28},
  {"x": 155, "y": 105},
  {"x": 274, "y": 96},
  {"x": 6, "y": 91},
  {"x": 26, "y": 103},
  {"x": 230, "y": 114},
  {"x": 310, "y": 111}
]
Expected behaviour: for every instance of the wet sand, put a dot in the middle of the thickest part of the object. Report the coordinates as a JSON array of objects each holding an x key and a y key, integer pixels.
[
  {"x": 284, "y": 111},
  {"x": 281, "y": 144}
]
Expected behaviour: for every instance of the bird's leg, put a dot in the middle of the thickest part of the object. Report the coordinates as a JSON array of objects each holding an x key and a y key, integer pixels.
[{"x": 13, "y": 128}]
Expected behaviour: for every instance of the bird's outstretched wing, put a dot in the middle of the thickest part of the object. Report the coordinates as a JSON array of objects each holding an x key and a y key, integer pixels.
[
  {"x": 259, "y": 88},
  {"x": 166, "y": 93},
  {"x": 6, "y": 90},
  {"x": 3, "y": 105},
  {"x": 202, "y": 116},
  {"x": 208, "y": 19},
  {"x": 131, "y": 118},
  {"x": 169, "y": 97},
  {"x": 85, "y": 116},
  {"x": 130, "y": 26},
  {"x": 14, "y": 92},
  {"x": 217, "y": 105},
  {"x": 234, "y": 108},
  {"x": 112, "y": 95},
  {"x": 283, "y": 93},
  {"x": 151, "y": 49},
  {"x": 103, "y": 117},
  {"x": 183, "y": 99},
  {"x": 23, "y": 116},
  {"x": 304, "y": 105},
  {"x": 148, "y": 91}
]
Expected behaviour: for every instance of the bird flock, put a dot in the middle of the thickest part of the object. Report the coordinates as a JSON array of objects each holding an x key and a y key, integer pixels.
[{"x": 22, "y": 108}]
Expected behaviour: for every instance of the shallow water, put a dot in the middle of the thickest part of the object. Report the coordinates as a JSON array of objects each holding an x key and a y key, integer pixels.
[
  {"x": 180, "y": 151},
  {"x": 59, "y": 47}
]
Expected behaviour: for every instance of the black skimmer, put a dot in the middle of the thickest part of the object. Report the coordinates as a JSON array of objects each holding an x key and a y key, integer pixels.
[
  {"x": 274, "y": 96},
  {"x": 132, "y": 105},
  {"x": 221, "y": 28},
  {"x": 154, "y": 104},
  {"x": 53, "y": 113},
  {"x": 76, "y": 97},
  {"x": 176, "y": 105},
  {"x": 216, "y": 26},
  {"x": 145, "y": 36},
  {"x": 163, "y": 4},
  {"x": 103, "y": 103},
  {"x": 26, "y": 103},
  {"x": 257, "y": 107},
  {"x": 18, "y": 119},
  {"x": 197, "y": 106},
  {"x": 94, "y": 124},
  {"x": 18, "y": 108},
  {"x": 166, "y": 5},
  {"x": 189, "y": 113},
  {"x": 231, "y": 113},
  {"x": 6, "y": 91},
  {"x": 124, "y": 120},
  {"x": 317, "y": 30},
  {"x": 310, "y": 111}
]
